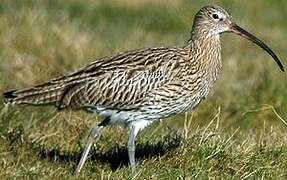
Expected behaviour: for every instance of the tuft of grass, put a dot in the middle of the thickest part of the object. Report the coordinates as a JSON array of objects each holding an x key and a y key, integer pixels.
[{"x": 239, "y": 132}]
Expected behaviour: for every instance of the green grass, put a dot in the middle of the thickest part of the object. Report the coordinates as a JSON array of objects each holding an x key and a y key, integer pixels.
[{"x": 236, "y": 133}]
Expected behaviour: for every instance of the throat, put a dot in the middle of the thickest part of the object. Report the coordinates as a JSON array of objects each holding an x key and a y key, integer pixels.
[{"x": 205, "y": 54}]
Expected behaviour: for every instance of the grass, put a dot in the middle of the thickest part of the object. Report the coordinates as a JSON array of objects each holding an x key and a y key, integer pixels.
[{"x": 237, "y": 133}]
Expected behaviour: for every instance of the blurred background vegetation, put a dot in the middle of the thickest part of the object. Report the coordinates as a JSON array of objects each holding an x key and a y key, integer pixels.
[{"x": 43, "y": 39}]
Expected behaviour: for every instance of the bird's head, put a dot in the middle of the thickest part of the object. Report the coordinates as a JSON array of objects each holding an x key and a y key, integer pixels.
[{"x": 214, "y": 20}]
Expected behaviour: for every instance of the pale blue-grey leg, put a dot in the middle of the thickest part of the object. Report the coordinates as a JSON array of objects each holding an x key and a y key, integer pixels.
[
  {"x": 94, "y": 133},
  {"x": 131, "y": 147}
]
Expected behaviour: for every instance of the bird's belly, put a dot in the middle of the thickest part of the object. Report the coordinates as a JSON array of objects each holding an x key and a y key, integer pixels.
[
  {"x": 151, "y": 111},
  {"x": 169, "y": 108}
]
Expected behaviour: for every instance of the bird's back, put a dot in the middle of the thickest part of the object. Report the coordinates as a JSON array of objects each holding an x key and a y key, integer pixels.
[{"x": 123, "y": 81}]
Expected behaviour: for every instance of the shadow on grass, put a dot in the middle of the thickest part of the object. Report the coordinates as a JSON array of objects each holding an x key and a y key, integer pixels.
[{"x": 116, "y": 156}]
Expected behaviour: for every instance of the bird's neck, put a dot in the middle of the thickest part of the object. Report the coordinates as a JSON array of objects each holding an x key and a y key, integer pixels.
[{"x": 204, "y": 52}]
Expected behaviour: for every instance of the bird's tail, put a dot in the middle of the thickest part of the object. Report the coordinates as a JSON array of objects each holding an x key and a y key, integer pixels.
[{"x": 47, "y": 93}]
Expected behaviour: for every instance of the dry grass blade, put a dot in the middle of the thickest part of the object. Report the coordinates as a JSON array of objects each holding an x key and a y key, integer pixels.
[{"x": 266, "y": 107}]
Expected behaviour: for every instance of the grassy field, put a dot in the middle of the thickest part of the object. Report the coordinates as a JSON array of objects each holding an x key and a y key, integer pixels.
[{"x": 238, "y": 132}]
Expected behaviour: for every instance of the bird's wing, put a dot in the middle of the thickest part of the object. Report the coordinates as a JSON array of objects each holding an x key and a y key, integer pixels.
[{"x": 121, "y": 81}]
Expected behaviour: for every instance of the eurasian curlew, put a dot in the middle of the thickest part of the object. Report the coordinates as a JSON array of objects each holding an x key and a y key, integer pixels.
[{"x": 136, "y": 88}]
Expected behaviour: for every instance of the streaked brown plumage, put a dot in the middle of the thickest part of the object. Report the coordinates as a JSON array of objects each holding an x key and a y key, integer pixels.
[{"x": 138, "y": 87}]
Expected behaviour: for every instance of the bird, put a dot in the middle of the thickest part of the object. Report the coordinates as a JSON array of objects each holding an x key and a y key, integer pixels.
[{"x": 136, "y": 88}]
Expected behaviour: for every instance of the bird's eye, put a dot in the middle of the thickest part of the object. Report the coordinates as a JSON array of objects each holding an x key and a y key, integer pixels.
[{"x": 215, "y": 16}]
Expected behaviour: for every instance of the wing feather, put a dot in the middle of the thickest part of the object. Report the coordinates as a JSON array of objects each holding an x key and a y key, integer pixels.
[
  {"x": 126, "y": 86},
  {"x": 121, "y": 81}
]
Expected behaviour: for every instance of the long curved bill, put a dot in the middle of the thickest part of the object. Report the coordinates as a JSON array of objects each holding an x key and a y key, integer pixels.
[{"x": 240, "y": 31}]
